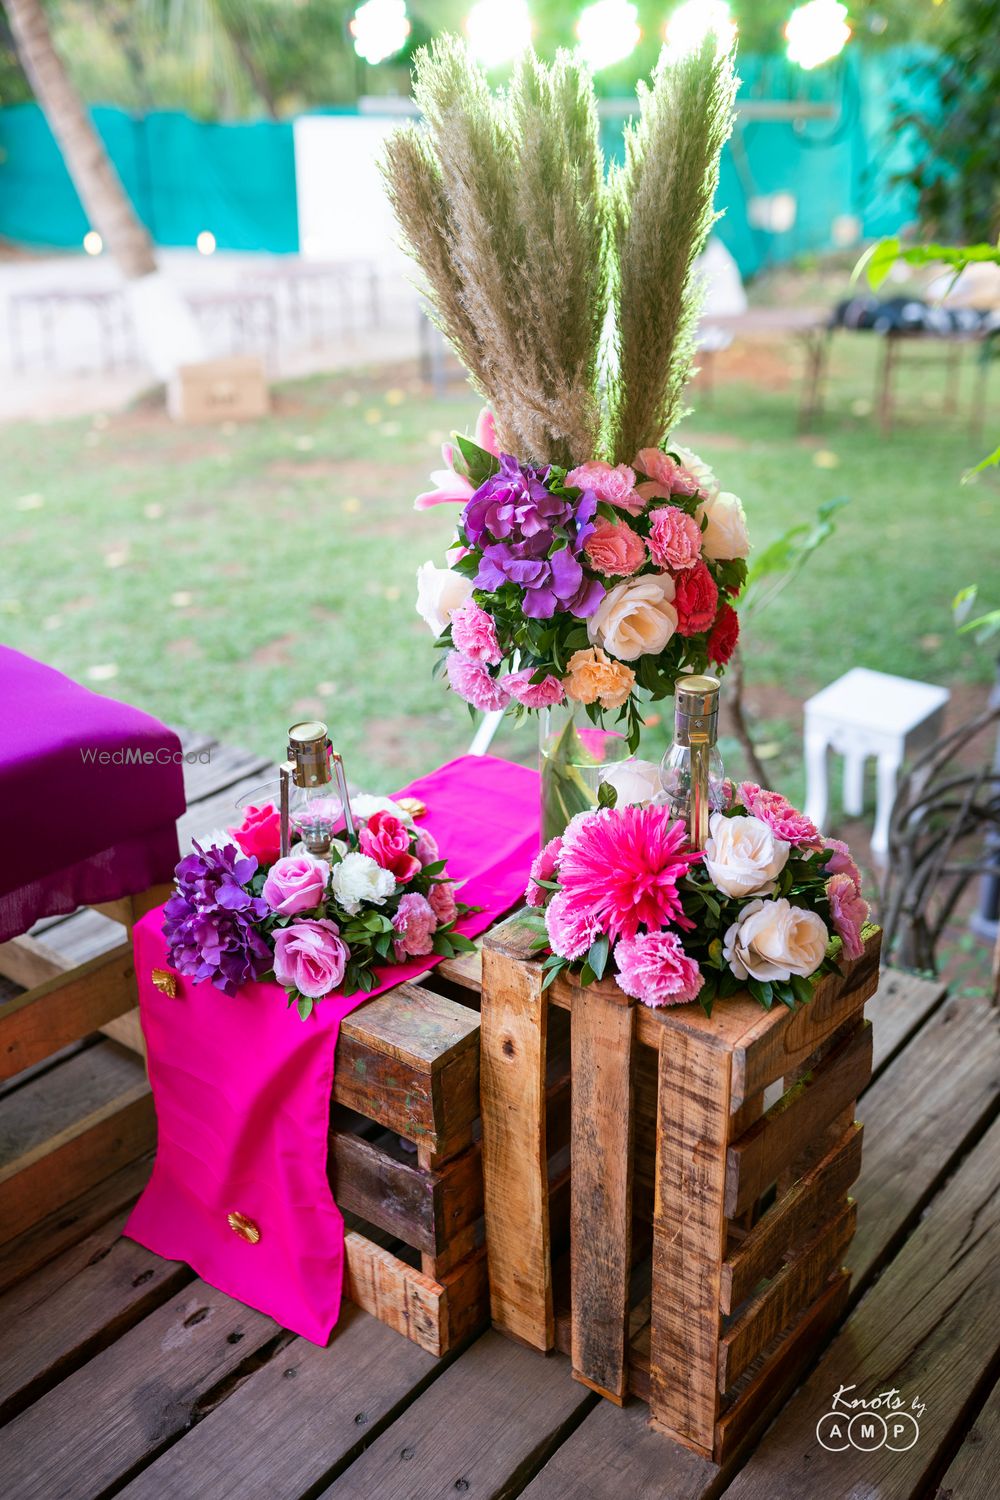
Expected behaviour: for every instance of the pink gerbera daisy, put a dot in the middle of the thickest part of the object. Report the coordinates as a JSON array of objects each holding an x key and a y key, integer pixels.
[{"x": 622, "y": 867}]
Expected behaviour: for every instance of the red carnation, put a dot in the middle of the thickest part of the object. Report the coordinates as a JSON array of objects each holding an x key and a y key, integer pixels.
[
  {"x": 725, "y": 634},
  {"x": 696, "y": 599}
]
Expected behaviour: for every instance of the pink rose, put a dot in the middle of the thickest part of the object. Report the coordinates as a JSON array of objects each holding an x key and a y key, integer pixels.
[
  {"x": 615, "y": 486},
  {"x": 415, "y": 924},
  {"x": 571, "y": 925},
  {"x": 696, "y": 599},
  {"x": 259, "y": 835},
  {"x": 295, "y": 884},
  {"x": 533, "y": 694},
  {"x": 426, "y": 848},
  {"x": 612, "y": 549},
  {"x": 653, "y": 968},
  {"x": 674, "y": 538},
  {"x": 667, "y": 476},
  {"x": 442, "y": 902},
  {"x": 311, "y": 956},
  {"x": 387, "y": 841},
  {"x": 543, "y": 867},
  {"x": 848, "y": 912},
  {"x": 784, "y": 820},
  {"x": 471, "y": 681},
  {"x": 475, "y": 634},
  {"x": 840, "y": 862}
]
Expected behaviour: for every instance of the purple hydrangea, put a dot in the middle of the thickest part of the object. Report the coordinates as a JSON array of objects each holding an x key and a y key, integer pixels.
[{"x": 209, "y": 921}]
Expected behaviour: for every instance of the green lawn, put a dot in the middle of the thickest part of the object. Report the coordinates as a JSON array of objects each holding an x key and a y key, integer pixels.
[{"x": 235, "y": 579}]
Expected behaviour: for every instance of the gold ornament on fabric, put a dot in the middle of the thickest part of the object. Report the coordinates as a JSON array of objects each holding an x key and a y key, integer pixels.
[
  {"x": 244, "y": 1227},
  {"x": 165, "y": 981},
  {"x": 412, "y": 805}
]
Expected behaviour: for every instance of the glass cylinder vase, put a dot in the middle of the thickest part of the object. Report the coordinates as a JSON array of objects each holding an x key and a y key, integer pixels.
[{"x": 574, "y": 755}]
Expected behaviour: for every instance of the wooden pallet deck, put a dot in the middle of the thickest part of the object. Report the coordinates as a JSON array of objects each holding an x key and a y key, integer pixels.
[{"x": 121, "y": 1374}]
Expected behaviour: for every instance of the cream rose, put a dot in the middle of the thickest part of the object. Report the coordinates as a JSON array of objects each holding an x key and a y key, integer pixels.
[
  {"x": 725, "y": 536},
  {"x": 635, "y": 618},
  {"x": 440, "y": 591},
  {"x": 635, "y": 781},
  {"x": 743, "y": 857},
  {"x": 707, "y": 482},
  {"x": 774, "y": 940},
  {"x": 364, "y": 806}
]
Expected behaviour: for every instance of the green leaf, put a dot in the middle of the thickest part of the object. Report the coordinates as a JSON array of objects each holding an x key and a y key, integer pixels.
[
  {"x": 597, "y": 958},
  {"x": 607, "y": 796},
  {"x": 802, "y": 989},
  {"x": 587, "y": 975},
  {"x": 479, "y": 464},
  {"x": 304, "y": 1005},
  {"x": 878, "y": 261}
]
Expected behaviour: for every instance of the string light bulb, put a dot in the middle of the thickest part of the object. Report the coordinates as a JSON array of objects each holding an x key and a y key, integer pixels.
[
  {"x": 693, "y": 21},
  {"x": 816, "y": 33},
  {"x": 608, "y": 32},
  {"x": 498, "y": 30},
  {"x": 92, "y": 242},
  {"x": 205, "y": 242},
  {"x": 379, "y": 29}
]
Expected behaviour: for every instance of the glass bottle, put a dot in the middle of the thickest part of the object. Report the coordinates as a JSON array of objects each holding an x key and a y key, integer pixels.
[
  {"x": 691, "y": 772},
  {"x": 312, "y": 806}
]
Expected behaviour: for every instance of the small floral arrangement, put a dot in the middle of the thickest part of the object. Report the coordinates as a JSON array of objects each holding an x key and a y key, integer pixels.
[
  {"x": 240, "y": 912},
  {"x": 621, "y": 893},
  {"x": 587, "y": 584}
]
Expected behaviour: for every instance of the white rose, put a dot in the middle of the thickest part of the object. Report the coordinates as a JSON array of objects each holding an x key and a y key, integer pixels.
[
  {"x": 726, "y": 535},
  {"x": 743, "y": 857},
  {"x": 635, "y": 781},
  {"x": 440, "y": 591},
  {"x": 774, "y": 940},
  {"x": 365, "y": 806},
  {"x": 359, "y": 878},
  {"x": 219, "y": 838},
  {"x": 705, "y": 475},
  {"x": 635, "y": 618}
]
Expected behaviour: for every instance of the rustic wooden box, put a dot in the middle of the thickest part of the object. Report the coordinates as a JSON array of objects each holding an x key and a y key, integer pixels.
[
  {"x": 219, "y": 390},
  {"x": 707, "y": 1220}
]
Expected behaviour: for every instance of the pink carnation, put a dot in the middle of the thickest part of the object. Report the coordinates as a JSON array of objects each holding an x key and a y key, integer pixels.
[
  {"x": 471, "y": 681},
  {"x": 533, "y": 694},
  {"x": 616, "y": 486},
  {"x": 426, "y": 848},
  {"x": 653, "y": 968},
  {"x": 622, "y": 867},
  {"x": 848, "y": 911},
  {"x": 475, "y": 634},
  {"x": 840, "y": 862},
  {"x": 674, "y": 538},
  {"x": 612, "y": 549},
  {"x": 415, "y": 925},
  {"x": 543, "y": 867},
  {"x": 696, "y": 599},
  {"x": 667, "y": 475},
  {"x": 777, "y": 812},
  {"x": 570, "y": 925},
  {"x": 442, "y": 902}
]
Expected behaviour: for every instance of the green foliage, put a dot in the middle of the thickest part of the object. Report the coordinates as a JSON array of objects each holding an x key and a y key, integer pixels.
[{"x": 776, "y": 565}]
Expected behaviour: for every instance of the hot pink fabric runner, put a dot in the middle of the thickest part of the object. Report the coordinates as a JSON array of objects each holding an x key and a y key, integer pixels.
[{"x": 242, "y": 1087}]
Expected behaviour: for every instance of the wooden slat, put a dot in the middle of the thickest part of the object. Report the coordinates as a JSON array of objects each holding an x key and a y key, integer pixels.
[
  {"x": 770, "y": 1051},
  {"x": 603, "y": 1033},
  {"x": 897, "y": 1011},
  {"x": 65, "y": 1008},
  {"x": 28, "y": 962},
  {"x": 929, "y": 1328},
  {"x": 424, "y": 1209},
  {"x": 515, "y": 1156},
  {"x": 435, "y": 1315},
  {"x": 128, "y": 1402},
  {"x": 488, "y": 1420},
  {"x": 466, "y": 969},
  {"x": 792, "y": 1219},
  {"x": 289, "y": 1425},
  {"x": 690, "y": 1228},
  {"x": 794, "y": 1287},
  {"x": 120, "y": 1283},
  {"x": 758, "y": 1157},
  {"x": 972, "y": 1473}
]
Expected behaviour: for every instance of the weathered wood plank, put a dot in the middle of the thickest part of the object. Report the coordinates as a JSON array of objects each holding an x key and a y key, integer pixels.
[
  {"x": 127, "y": 1403},
  {"x": 897, "y": 1011},
  {"x": 435, "y": 1314},
  {"x": 767, "y": 1148},
  {"x": 794, "y": 1288},
  {"x": 690, "y": 1231},
  {"x": 28, "y": 962},
  {"x": 64, "y": 1008},
  {"x": 929, "y": 1328},
  {"x": 424, "y": 1209},
  {"x": 972, "y": 1473},
  {"x": 792, "y": 1219},
  {"x": 120, "y": 1283},
  {"x": 485, "y": 1423},
  {"x": 295, "y": 1422},
  {"x": 603, "y": 1037},
  {"x": 515, "y": 1155}
]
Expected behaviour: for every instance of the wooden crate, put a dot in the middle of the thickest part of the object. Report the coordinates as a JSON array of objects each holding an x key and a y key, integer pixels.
[
  {"x": 219, "y": 390},
  {"x": 707, "y": 1218}
]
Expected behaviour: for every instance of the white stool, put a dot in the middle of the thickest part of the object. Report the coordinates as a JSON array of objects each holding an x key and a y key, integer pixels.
[{"x": 868, "y": 713}]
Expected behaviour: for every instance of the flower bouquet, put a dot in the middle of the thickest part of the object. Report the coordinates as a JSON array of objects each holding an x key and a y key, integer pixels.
[
  {"x": 595, "y": 560},
  {"x": 240, "y": 912},
  {"x": 766, "y": 907}
]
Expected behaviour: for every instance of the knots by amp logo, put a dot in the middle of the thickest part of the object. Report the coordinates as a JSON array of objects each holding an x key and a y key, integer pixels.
[{"x": 887, "y": 1420}]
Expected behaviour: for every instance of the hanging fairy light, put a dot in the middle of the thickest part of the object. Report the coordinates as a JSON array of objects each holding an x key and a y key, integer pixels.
[
  {"x": 607, "y": 32},
  {"x": 498, "y": 30},
  {"x": 692, "y": 22},
  {"x": 92, "y": 242},
  {"x": 379, "y": 29},
  {"x": 817, "y": 32}
]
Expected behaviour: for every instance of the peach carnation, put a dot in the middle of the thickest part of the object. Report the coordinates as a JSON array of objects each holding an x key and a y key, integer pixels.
[
  {"x": 616, "y": 549},
  {"x": 667, "y": 477},
  {"x": 674, "y": 538},
  {"x": 591, "y": 676}
]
